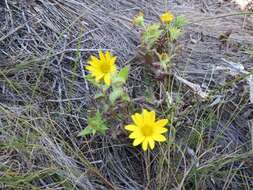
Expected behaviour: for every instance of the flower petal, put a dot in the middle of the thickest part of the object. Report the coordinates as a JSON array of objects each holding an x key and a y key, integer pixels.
[
  {"x": 135, "y": 135},
  {"x": 131, "y": 127},
  {"x": 167, "y": 17},
  {"x": 102, "y": 57},
  {"x": 152, "y": 116},
  {"x": 158, "y": 137},
  {"x": 161, "y": 122},
  {"x": 145, "y": 144},
  {"x": 107, "y": 79},
  {"x": 98, "y": 77},
  {"x": 112, "y": 60},
  {"x": 151, "y": 143},
  {"x": 107, "y": 56},
  {"x": 138, "y": 141},
  {"x": 94, "y": 61},
  {"x": 113, "y": 69},
  {"x": 149, "y": 116},
  {"x": 137, "y": 119},
  {"x": 90, "y": 68},
  {"x": 96, "y": 73},
  {"x": 161, "y": 130}
]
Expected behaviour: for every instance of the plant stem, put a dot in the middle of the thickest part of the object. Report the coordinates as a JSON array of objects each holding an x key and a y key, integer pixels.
[{"x": 147, "y": 160}]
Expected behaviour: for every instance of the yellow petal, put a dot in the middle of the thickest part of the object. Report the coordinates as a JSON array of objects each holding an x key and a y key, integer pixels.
[
  {"x": 145, "y": 113},
  {"x": 98, "y": 77},
  {"x": 113, "y": 68},
  {"x": 96, "y": 73},
  {"x": 101, "y": 56},
  {"x": 135, "y": 135},
  {"x": 149, "y": 117},
  {"x": 138, "y": 141},
  {"x": 145, "y": 144},
  {"x": 94, "y": 60},
  {"x": 167, "y": 17},
  {"x": 160, "y": 130},
  {"x": 107, "y": 56},
  {"x": 107, "y": 79},
  {"x": 152, "y": 116},
  {"x": 90, "y": 68},
  {"x": 151, "y": 143},
  {"x": 95, "y": 65},
  {"x": 138, "y": 119},
  {"x": 158, "y": 137},
  {"x": 161, "y": 122},
  {"x": 131, "y": 127},
  {"x": 112, "y": 60}
]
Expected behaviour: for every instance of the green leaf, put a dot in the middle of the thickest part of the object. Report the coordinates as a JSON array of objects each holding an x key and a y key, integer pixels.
[
  {"x": 120, "y": 78},
  {"x": 174, "y": 33},
  {"x": 104, "y": 88},
  {"x": 151, "y": 34},
  {"x": 96, "y": 124},
  {"x": 99, "y": 85},
  {"x": 165, "y": 60},
  {"x": 180, "y": 21},
  {"x": 99, "y": 95},
  {"x": 89, "y": 77},
  {"x": 123, "y": 73},
  {"x": 92, "y": 80},
  {"x": 115, "y": 94},
  {"x": 117, "y": 82},
  {"x": 86, "y": 131},
  {"x": 138, "y": 20},
  {"x": 102, "y": 129},
  {"x": 125, "y": 97}
]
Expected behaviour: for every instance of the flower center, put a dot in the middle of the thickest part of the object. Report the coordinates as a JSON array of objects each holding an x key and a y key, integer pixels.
[
  {"x": 105, "y": 68},
  {"x": 147, "y": 130}
]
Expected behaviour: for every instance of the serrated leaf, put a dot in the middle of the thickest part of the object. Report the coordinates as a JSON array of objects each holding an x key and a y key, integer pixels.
[
  {"x": 96, "y": 124},
  {"x": 86, "y": 131},
  {"x": 165, "y": 60},
  {"x": 180, "y": 21},
  {"x": 115, "y": 94},
  {"x": 174, "y": 33},
  {"x": 151, "y": 34}
]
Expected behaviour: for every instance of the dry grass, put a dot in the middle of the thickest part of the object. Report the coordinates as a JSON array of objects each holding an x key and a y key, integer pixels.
[{"x": 44, "y": 98}]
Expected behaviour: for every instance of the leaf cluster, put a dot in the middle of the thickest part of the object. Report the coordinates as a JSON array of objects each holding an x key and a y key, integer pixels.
[{"x": 96, "y": 124}]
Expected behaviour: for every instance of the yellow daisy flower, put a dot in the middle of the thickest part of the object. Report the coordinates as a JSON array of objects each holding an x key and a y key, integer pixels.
[
  {"x": 102, "y": 68},
  {"x": 167, "y": 17},
  {"x": 145, "y": 130}
]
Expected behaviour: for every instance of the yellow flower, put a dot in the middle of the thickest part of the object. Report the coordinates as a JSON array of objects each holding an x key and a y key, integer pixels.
[
  {"x": 102, "y": 68},
  {"x": 145, "y": 130},
  {"x": 167, "y": 17}
]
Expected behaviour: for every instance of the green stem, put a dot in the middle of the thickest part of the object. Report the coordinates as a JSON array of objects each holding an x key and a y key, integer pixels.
[{"x": 147, "y": 160}]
